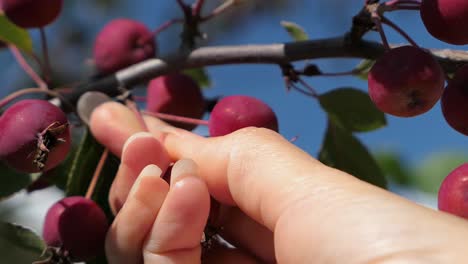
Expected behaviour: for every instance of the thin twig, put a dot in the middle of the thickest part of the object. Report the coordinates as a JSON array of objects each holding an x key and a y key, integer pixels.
[
  {"x": 182, "y": 4},
  {"x": 166, "y": 25},
  {"x": 134, "y": 107},
  {"x": 378, "y": 25},
  {"x": 197, "y": 7},
  {"x": 175, "y": 118},
  {"x": 399, "y": 30},
  {"x": 4, "y": 101},
  {"x": 45, "y": 54},
  {"x": 219, "y": 10},
  {"x": 26, "y": 67},
  {"x": 97, "y": 173}
]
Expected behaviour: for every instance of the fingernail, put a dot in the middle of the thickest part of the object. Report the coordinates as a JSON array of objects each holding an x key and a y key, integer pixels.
[
  {"x": 182, "y": 168},
  {"x": 134, "y": 137},
  {"x": 88, "y": 102},
  {"x": 151, "y": 170},
  {"x": 148, "y": 171}
]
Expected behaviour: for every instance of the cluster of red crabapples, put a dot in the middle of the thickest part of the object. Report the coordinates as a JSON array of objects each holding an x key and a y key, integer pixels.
[{"x": 408, "y": 81}]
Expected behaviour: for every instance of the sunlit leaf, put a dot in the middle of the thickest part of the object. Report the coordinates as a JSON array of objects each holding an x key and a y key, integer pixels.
[
  {"x": 19, "y": 244},
  {"x": 11, "y": 33},
  {"x": 295, "y": 31},
  {"x": 200, "y": 76},
  {"x": 363, "y": 68},
  {"x": 352, "y": 109},
  {"x": 430, "y": 173}
]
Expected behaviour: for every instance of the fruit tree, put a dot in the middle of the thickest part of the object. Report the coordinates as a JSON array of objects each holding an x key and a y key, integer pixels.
[{"x": 44, "y": 135}]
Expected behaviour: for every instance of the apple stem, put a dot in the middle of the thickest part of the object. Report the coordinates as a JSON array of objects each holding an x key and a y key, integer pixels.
[
  {"x": 378, "y": 23},
  {"x": 97, "y": 172},
  {"x": 175, "y": 118},
  {"x": 197, "y": 7},
  {"x": 335, "y": 74},
  {"x": 45, "y": 53},
  {"x": 398, "y": 3},
  {"x": 14, "y": 95},
  {"x": 294, "y": 139},
  {"x": 134, "y": 107},
  {"x": 183, "y": 5},
  {"x": 165, "y": 26},
  {"x": 399, "y": 30},
  {"x": 26, "y": 67},
  {"x": 219, "y": 10},
  {"x": 139, "y": 98}
]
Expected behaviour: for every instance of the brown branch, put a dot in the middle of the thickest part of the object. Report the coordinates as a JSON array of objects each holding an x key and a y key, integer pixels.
[{"x": 275, "y": 54}]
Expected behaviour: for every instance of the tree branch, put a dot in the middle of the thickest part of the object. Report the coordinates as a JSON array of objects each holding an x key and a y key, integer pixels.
[{"x": 276, "y": 54}]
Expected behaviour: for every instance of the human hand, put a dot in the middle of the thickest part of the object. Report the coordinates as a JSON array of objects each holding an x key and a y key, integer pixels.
[{"x": 285, "y": 206}]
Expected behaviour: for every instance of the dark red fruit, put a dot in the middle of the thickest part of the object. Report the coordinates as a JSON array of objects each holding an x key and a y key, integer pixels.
[
  {"x": 78, "y": 225},
  {"x": 238, "y": 111},
  {"x": 454, "y": 101},
  {"x": 121, "y": 43},
  {"x": 32, "y": 13},
  {"x": 176, "y": 94},
  {"x": 453, "y": 193},
  {"x": 406, "y": 81},
  {"x": 446, "y": 19},
  {"x": 34, "y": 136}
]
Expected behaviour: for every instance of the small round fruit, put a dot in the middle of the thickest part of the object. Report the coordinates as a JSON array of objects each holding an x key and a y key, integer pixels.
[
  {"x": 406, "y": 81},
  {"x": 32, "y": 13},
  {"x": 454, "y": 101},
  {"x": 445, "y": 19},
  {"x": 121, "y": 43},
  {"x": 453, "y": 193},
  {"x": 78, "y": 225},
  {"x": 176, "y": 94},
  {"x": 34, "y": 136},
  {"x": 238, "y": 111}
]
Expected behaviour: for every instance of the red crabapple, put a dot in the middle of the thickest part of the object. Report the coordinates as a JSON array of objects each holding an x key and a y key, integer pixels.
[
  {"x": 78, "y": 225},
  {"x": 453, "y": 193},
  {"x": 446, "y": 19},
  {"x": 121, "y": 43},
  {"x": 406, "y": 81},
  {"x": 454, "y": 101},
  {"x": 176, "y": 94},
  {"x": 34, "y": 136},
  {"x": 238, "y": 111},
  {"x": 32, "y": 13}
]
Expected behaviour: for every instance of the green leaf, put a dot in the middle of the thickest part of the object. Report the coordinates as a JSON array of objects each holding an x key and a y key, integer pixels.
[
  {"x": 363, "y": 68},
  {"x": 394, "y": 167},
  {"x": 82, "y": 169},
  {"x": 19, "y": 244},
  {"x": 345, "y": 152},
  {"x": 15, "y": 35},
  {"x": 295, "y": 31},
  {"x": 352, "y": 109},
  {"x": 12, "y": 181},
  {"x": 83, "y": 165},
  {"x": 430, "y": 173},
  {"x": 60, "y": 174},
  {"x": 200, "y": 76}
]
